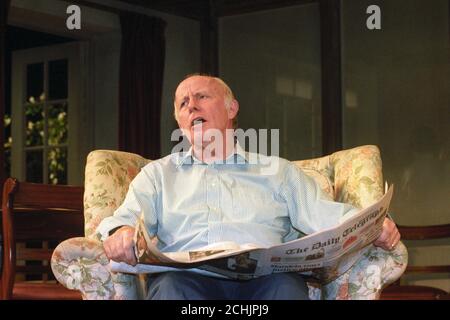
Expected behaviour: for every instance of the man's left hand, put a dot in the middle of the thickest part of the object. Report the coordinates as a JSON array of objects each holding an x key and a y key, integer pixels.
[{"x": 389, "y": 237}]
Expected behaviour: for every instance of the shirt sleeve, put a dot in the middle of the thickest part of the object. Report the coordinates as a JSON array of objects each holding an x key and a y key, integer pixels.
[
  {"x": 140, "y": 199},
  {"x": 310, "y": 210}
]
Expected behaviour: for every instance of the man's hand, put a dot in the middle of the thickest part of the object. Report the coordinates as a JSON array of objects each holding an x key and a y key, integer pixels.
[
  {"x": 119, "y": 246},
  {"x": 389, "y": 236}
]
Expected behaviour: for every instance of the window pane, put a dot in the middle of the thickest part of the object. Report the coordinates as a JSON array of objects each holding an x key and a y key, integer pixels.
[
  {"x": 396, "y": 89},
  {"x": 399, "y": 99},
  {"x": 57, "y": 79},
  {"x": 35, "y": 82},
  {"x": 34, "y": 168},
  {"x": 57, "y": 124},
  {"x": 34, "y": 124},
  {"x": 57, "y": 166},
  {"x": 271, "y": 60}
]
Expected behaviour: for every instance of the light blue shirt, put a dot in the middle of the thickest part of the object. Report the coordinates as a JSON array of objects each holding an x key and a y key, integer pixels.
[{"x": 188, "y": 204}]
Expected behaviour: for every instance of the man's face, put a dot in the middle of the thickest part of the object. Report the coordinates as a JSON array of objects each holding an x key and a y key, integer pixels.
[{"x": 200, "y": 104}]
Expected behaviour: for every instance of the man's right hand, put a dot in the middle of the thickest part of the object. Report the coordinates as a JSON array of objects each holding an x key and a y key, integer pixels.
[{"x": 120, "y": 246}]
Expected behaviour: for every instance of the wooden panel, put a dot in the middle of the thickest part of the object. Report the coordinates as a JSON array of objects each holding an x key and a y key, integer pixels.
[
  {"x": 44, "y": 291},
  {"x": 424, "y": 232},
  {"x": 395, "y": 292},
  {"x": 330, "y": 33},
  {"x": 234, "y": 7},
  {"x": 428, "y": 269},
  {"x": 200, "y": 9},
  {"x": 38, "y": 225},
  {"x": 185, "y": 8},
  {"x": 38, "y": 269},
  {"x": 34, "y": 254},
  {"x": 48, "y": 196}
]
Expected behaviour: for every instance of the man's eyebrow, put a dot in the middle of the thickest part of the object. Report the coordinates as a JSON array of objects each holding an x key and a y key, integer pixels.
[{"x": 183, "y": 97}]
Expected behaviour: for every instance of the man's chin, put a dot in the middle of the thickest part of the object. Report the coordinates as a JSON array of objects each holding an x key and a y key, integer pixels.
[
  {"x": 196, "y": 138},
  {"x": 200, "y": 144},
  {"x": 203, "y": 137}
]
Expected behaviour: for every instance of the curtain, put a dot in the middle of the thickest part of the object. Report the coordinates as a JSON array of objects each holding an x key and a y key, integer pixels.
[
  {"x": 140, "y": 85},
  {"x": 4, "y": 7}
]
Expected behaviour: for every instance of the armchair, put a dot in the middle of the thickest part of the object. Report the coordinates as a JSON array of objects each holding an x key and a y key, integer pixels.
[{"x": 352, "y": 176}]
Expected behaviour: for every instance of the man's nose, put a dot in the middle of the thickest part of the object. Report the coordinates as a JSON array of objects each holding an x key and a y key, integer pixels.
[{"x": 192, "y": 105}]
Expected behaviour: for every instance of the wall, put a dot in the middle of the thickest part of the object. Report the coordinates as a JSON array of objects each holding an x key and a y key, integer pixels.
[
  {"x": 102, "y": 30},
  {"x": 271, "y": 60}
]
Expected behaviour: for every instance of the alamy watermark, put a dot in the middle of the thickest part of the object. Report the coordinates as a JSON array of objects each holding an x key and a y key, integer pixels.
[
  {"x": 73, "y": 21},
  {"x": 374, "y": 20},
  {"x": 256, "y": 142}
]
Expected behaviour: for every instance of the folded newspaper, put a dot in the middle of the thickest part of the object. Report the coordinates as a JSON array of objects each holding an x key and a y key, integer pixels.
[{"x": 322, "y": 255}]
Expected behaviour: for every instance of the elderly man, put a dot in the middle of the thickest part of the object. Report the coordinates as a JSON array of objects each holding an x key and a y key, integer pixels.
[{"x": 207, "y": 195}]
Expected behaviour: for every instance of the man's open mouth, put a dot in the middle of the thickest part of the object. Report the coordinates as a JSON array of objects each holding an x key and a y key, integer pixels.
[{"x": 197, "y": 121}]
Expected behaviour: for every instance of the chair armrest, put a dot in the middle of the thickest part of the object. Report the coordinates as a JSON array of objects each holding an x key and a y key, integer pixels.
[
  {"x": 81, "y": 264},
  {"x": 376, "y": 269}
]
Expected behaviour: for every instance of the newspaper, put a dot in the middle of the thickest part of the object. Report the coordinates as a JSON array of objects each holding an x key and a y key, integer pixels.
[{"x": 322, "y": 255}]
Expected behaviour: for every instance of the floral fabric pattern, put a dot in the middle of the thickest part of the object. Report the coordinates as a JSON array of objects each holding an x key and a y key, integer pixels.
[
  {"x": 353, "y": 176},
  {"x": 107, "y": 176}
]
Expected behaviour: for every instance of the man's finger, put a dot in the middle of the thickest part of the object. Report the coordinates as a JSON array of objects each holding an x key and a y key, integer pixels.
[
  {"x": 384, "y": 237},
  {"x": 127, "y": 246},
  {"x": 396, "y": 240},
  {"x": 107, "y": 248}
]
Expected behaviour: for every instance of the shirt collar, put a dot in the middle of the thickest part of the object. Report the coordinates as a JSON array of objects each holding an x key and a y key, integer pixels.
[{"x": 239, "y": 156}]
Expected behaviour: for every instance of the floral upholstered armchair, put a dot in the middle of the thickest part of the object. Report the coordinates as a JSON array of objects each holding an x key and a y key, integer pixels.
[{"x": 352, "y": 176}]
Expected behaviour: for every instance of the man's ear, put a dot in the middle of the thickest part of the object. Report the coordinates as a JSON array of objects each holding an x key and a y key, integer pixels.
[{"x": 233, "y": 109}]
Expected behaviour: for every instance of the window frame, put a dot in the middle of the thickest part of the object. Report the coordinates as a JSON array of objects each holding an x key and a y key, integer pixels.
[{"x": 74, "y": 52}]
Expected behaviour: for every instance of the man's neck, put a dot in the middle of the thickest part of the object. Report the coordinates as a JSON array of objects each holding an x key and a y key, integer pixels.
[{"x": 219, "y": 150}]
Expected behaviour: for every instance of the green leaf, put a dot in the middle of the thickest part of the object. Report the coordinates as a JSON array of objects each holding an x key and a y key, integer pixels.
[
  {"x": 366, "y": 180},
  {"x": 117, "y": 161},
  {"x": 352, "y": 287}
]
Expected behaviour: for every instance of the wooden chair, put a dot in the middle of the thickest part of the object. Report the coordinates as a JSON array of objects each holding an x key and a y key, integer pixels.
[
  {"x": 397, "y": 291},
  {"x": 46, "y": 214}
]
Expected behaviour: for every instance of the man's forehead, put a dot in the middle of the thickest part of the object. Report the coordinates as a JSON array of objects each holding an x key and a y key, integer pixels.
[{"x": 196, "y": 83}]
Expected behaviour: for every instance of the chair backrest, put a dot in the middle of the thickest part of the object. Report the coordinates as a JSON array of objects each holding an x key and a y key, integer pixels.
[
  {"x": 34, "y": 212},
  {"x": 420, "y": 234},
  {"x": 352, "y": 176},
  {"x": 108, "y": 174},
  {"x": 441, "y": 231},
  {"x": 355, "y": 174}
]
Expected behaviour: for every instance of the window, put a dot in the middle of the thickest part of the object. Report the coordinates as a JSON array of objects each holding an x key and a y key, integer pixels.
[
  {"x": 46, "y": 127},
  {"x": 46, "y": 115},
  {"x": 271, "y": 60}
]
